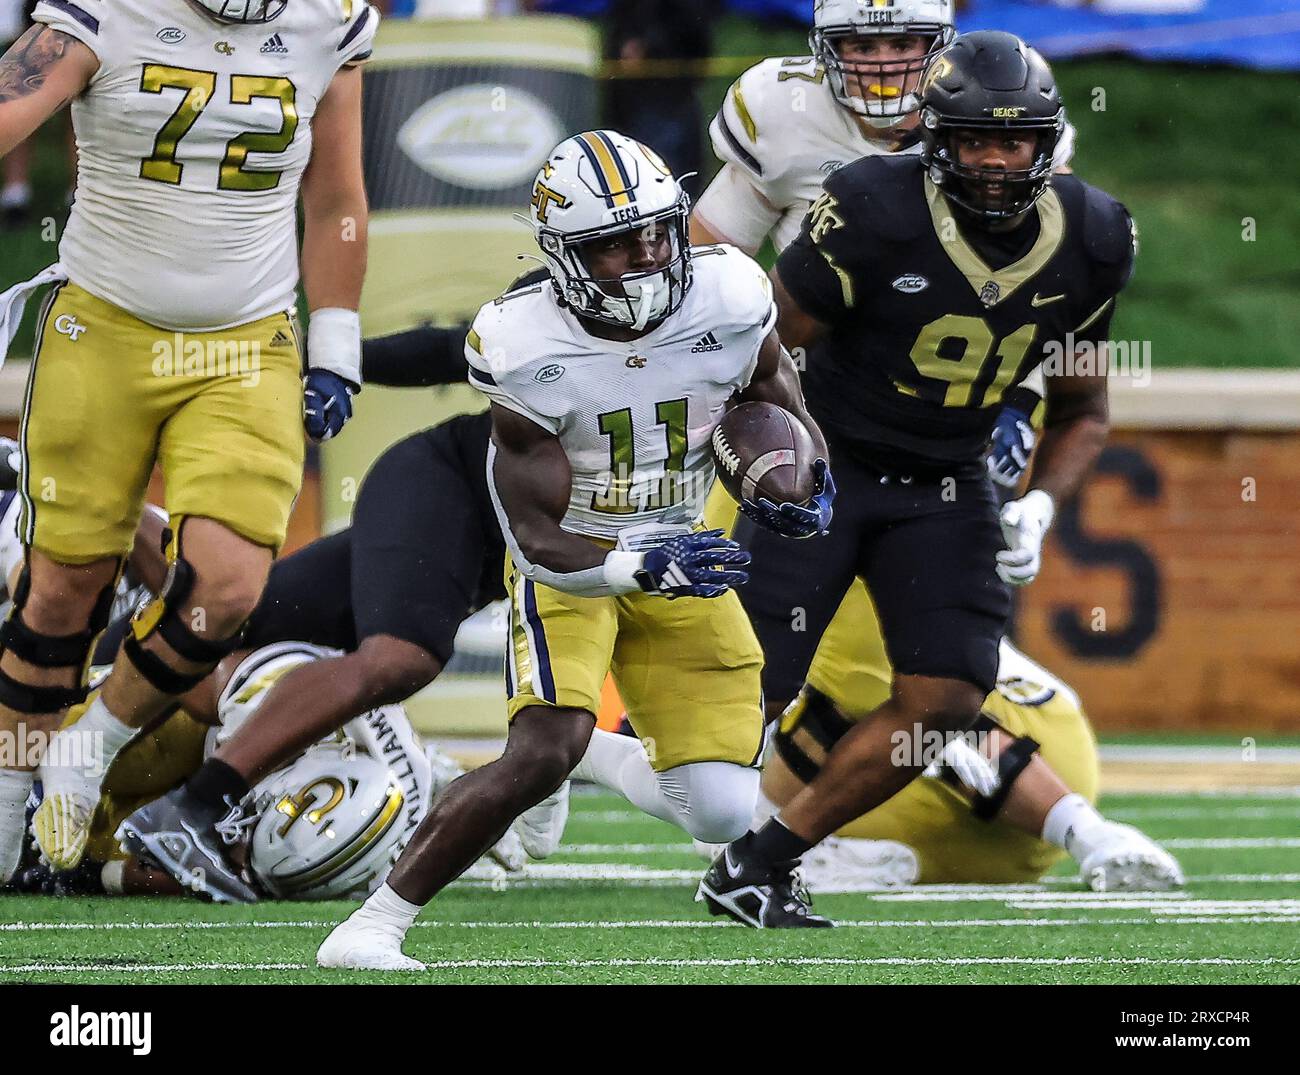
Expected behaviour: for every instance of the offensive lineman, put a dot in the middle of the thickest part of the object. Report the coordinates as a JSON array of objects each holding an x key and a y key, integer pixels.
[
  {"x": 936, "y": 285},
  {"x": 604, "y": 393},
  {"x": 169, "y": 337}
]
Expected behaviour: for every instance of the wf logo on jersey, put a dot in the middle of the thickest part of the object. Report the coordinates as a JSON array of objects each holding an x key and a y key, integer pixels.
[{"x": 823, "y": 217}]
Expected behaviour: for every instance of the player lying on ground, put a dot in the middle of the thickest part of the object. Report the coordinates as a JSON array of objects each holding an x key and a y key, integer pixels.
[
  {"x": 387, "y": 594},
  {"x": 605, "y": 385},
  {"x": 927, "y": 289},
  {"x": 326, "y": 826},
  {"x": 169, "y": 338}
]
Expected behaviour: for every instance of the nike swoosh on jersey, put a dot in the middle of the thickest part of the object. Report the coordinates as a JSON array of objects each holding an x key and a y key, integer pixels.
[{"x": 1036, "y": 301}]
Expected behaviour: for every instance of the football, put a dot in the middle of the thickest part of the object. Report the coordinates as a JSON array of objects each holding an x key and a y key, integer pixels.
[{"x": 762, "y": 450}]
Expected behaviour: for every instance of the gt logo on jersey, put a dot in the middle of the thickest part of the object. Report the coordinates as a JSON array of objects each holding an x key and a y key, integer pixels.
[
  {"x": 544, "y": 198},
  {"x": 225, "y": 48},
  {"x": 823, "y": 217},
  {"x": 68, "y": 325}
]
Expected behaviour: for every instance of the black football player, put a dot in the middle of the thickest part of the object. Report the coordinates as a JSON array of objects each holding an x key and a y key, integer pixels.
[{"x": 926, "y": 291}]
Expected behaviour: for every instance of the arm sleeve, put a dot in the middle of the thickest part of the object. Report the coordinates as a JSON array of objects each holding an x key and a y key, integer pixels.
[
  {"x": 424, "y": 357},
  {"x": 77, "y": 18},
  {"x": 736, "y": 211}
]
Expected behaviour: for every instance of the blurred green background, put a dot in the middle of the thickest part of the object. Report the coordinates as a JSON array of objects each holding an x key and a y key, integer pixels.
[{"x": 1204, "y": 158}]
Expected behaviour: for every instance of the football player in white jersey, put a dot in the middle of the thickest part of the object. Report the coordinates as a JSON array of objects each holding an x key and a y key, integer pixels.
[
  {"x": 605, "y": 384},
  {"x": 328, "y": 824},
  {"x": 169, "y": 337}
]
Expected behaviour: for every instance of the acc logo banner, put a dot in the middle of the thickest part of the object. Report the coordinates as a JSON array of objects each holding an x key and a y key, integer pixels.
[{"x": 481, "y": 136}]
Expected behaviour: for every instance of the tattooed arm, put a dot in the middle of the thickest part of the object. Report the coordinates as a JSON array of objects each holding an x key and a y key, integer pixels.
[{"x": 42, "y": 72}]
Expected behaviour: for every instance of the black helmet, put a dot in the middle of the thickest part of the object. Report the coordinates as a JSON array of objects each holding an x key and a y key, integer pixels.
[{"x": 992, "y": 80}]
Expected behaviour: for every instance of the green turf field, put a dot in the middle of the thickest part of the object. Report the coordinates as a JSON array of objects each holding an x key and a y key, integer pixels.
[{"x": 615, "y": 907}]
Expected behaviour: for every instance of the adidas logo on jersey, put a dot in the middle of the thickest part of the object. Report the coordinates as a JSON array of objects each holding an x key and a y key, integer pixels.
[
  {"x": 707, "y": 342},
  {"x": 275, "y": 44},
  {"x": 281, "y": 339}
]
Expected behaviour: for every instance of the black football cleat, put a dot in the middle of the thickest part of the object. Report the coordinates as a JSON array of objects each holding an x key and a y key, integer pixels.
[
  {"x": 764, "y": 895},
  {"x": 187, "y": 839}
]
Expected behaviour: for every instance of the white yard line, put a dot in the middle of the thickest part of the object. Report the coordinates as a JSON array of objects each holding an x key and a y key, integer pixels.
[
  {"x": 749, "y": 962},
  {"x": 1210, "y": 912},
  {"x": 1158, "y": 755},
  {"x": 627, "y": 849},
  {"x": 1241, "y": 843},
  {"x": 1207, "y": 812},
  {"x": 1218, "y": 843}
]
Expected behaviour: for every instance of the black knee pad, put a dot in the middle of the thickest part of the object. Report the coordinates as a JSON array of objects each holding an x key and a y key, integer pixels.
[
  {"x": 164, "y": 616},
  {"x": 1011, "y": 763},
  {"x": 808, "y": 731},
  {"x": 49, "y": 651}
]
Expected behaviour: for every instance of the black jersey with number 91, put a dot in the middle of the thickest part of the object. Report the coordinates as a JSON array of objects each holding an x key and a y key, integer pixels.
[{"x": 925, "y": 338}]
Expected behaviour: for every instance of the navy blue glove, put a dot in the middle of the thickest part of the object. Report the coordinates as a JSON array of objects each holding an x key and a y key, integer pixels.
[
  {"x": 1013, "y": 441},
  {"x": 798, "y": 520},
  {"x": 326, "y": 404},
  {"x": 693, "y": 565}
]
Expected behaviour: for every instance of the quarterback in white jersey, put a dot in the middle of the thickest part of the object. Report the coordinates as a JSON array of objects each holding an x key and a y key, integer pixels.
[
  {"x": 169, "y": 338},
  {"x": 606, "y": 378}
]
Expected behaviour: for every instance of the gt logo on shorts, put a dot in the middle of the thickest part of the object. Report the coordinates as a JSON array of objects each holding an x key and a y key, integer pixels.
[{"x": 68, "y": 325}]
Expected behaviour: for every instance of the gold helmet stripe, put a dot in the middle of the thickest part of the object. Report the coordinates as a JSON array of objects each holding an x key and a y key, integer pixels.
[{"x": 609, "y": 169}]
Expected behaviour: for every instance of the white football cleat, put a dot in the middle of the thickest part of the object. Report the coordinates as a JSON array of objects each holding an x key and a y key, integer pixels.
[
  {"x": 1125, "y": 859},
  {"x": 357, "y": 944},
  {"x": 541, "y": 827},
  {"x": 13, "y": 831},
  {"x": 848, "y": 864},
  {"x": 61, "y": 823}
]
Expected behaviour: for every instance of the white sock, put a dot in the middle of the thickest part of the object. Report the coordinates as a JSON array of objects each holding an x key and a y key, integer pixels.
[
  {"x": 112, "y": 876},
  {"x": 1072, "y": 824},
  {"x": 94, "y": 741},
  {"x": 387, "y": 909},
  {"x": 15, "y": 786}
]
